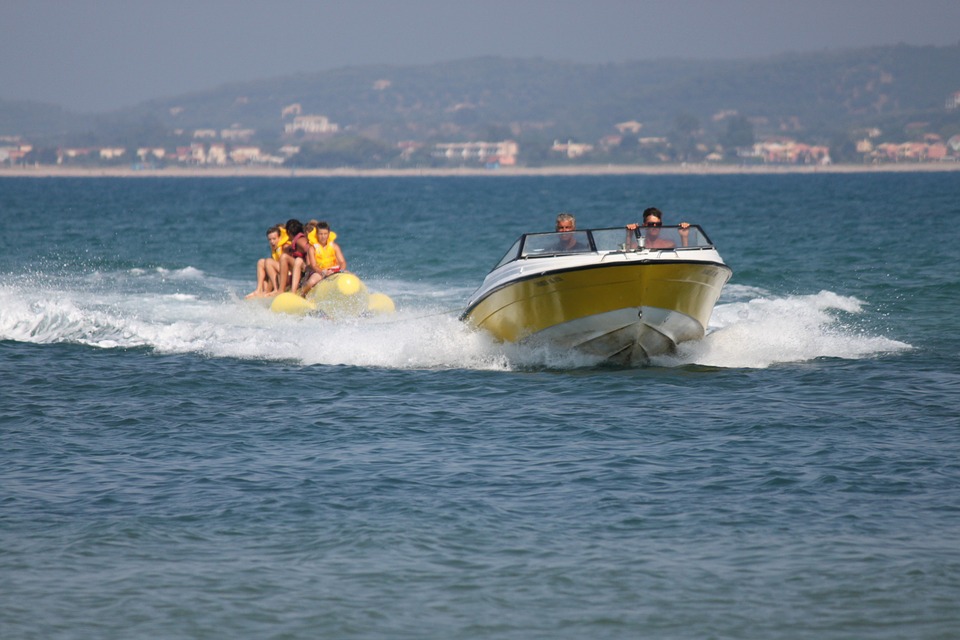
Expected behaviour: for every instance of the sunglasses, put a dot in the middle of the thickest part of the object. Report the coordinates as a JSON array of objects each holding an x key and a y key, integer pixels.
[{"x": 653, "y": 224}]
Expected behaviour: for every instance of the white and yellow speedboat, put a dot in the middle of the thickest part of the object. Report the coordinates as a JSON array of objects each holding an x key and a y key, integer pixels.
[{"x": 611, "y": 293}]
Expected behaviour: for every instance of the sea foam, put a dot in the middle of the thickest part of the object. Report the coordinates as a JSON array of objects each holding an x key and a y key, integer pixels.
[{"x": 751, "y": 329}]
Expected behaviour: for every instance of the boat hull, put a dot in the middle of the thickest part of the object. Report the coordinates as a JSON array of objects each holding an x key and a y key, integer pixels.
[{"x": 626, "y": 311}]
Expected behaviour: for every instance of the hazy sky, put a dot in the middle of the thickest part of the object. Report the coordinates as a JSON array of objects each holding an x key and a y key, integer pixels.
[{"x": 96, "y": 55}]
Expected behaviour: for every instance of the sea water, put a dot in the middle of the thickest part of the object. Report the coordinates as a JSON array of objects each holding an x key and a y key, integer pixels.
[{"x": 177, "y": 462}]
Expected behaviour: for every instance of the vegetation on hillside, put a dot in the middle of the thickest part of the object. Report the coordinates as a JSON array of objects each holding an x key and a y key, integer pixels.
[{"x": 686, "y": 109}]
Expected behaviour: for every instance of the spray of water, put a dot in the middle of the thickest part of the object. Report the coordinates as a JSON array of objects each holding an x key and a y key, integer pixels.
[{"x": 187, "y": 312}]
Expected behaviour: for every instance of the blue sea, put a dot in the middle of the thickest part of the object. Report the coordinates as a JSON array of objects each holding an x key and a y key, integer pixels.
[{"x": 178, "y": 462}]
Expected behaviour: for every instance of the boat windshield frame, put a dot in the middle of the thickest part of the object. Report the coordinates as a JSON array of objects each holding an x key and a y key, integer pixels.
[{"x": 606, "y": 240}]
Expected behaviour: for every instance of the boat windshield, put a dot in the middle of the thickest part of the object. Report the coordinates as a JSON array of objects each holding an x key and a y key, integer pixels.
[
  {"x": 539, "y": 245},
  {"x": 621, "y": 239}
]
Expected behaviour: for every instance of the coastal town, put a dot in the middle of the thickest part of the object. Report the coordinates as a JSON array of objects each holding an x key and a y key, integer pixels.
[
  {"x": 229, "y": 151},
  {"x": 757, "y": 144}
]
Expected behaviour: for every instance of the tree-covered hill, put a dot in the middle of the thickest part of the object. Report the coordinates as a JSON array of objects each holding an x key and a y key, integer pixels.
[{"x": 815, "y": 96}]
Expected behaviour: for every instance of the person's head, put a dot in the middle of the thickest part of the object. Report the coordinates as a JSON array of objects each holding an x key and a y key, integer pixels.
[
  {"x": 273, "y": 236},
  {"x": 566, "y": 222},
  {"x": 323, "y": 232},
  {"x": 294, "y": 228},
  {"x": 652, "y": 217},
  {"x": 310, "y": 226}
]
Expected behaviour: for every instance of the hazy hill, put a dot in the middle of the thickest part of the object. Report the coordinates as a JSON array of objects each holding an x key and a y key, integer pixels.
[
  {"x": 36, "y": 119},
  {"x": 814, "y": 95}
]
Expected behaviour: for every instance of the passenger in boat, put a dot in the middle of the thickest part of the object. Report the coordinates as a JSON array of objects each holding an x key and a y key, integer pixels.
[
  {"x": 328, "y": 257},
  {"x": 652, "y": 221},
  {"x": 567, "y": 223},
  {"x": 268, "y": 269},
  {"x": 297, "y": 256}
]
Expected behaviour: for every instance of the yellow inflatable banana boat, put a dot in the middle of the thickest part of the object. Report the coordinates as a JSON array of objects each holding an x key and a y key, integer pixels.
[{"x": 342, "y": 295}]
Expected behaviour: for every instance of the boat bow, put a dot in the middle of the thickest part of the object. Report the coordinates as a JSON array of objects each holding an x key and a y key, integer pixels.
[{"x": 605, "y": 292}]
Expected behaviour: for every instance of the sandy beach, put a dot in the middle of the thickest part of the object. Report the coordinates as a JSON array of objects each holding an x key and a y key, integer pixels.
[{"x": 50, "y": 171}]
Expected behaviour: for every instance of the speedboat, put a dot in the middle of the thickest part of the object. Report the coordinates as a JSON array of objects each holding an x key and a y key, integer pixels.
[{"x": 617, "y": 294}]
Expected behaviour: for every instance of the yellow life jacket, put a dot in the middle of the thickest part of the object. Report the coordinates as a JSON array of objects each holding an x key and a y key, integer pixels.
[
  {"x": 326, "y": 256},
  {"x": 284, "y": 241}
]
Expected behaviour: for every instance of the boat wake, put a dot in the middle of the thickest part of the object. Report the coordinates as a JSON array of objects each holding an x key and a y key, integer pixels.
[
  {"x": 186, "y": 311},
  {"x": 754, "y": 329}
]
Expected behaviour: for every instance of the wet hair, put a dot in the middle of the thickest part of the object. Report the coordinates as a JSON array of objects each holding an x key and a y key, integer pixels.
[
  {"x": 323, "y": 225},
  {"x": 652, "y": 212},
  {"x": 274, "y": 229},
  {"x": 294, "y": 227}
]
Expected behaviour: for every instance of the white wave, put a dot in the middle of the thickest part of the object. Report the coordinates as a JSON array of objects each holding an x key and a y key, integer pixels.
[
  {"x": 766, "y": 331},
  {"x": 186, "y": 273},
  {"x": 424, "y": 337},
  {"x": 753, "y": 331}
]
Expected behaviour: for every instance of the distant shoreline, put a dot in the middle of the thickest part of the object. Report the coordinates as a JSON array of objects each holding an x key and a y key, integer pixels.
[{"x": 580, "y": 170}]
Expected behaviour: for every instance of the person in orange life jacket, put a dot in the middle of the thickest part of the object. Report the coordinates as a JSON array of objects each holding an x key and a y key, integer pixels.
[
  {"x": 652, "y": 221},
  {"x": 296, "y": 255},
  {"x": 328, "y": 255},
  {"x": 268, "y": 269}
]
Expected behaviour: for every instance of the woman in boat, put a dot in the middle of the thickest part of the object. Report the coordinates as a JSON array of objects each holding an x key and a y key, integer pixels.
[{"x": 652, "y": 221}]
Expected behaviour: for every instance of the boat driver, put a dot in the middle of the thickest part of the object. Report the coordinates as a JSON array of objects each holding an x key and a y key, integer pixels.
[{"x": 652, "y": 221}]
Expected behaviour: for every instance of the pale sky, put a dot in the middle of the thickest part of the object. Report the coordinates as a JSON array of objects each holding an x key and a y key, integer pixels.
[{"x": 98, "y": 55}]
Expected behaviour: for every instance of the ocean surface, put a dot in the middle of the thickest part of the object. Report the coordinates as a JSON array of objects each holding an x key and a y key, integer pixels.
[{"x": 177, "y": 462}]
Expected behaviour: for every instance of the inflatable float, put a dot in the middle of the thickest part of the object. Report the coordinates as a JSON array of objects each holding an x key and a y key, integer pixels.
[{"x": 342, "y": 295}]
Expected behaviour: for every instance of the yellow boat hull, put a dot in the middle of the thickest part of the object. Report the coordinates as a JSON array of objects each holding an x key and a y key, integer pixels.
[{"x": 628, "y": 310}]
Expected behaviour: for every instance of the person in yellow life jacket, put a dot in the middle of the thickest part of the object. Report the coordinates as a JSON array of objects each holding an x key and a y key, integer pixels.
[
  {"x": 268, "y": 269},
  {"x": 311, "y": 230},
  {"x": 329, "y": 258}
]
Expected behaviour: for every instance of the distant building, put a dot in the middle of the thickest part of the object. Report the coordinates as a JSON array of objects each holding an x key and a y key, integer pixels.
[
  {"x": 245, "y": 155},
  {"x": 503, "y": 153},
  {"x": 16, "y": 152},
  {"x": 145, "y": 153},
  {"x": 194, "y": 154},
  {"x": 237, "y": 134},
  {"x": 311, "y": 125},
  {"x": 632, "y": 127},
  {"x": 571, "y": 149},
  {"x": 204, "y": 133},
  {"x": 291, "y": 110},
  {"x": 787, "y": 151},
  {"x": 109, "y": 153},
  {"x": 609, "y": 142},
  {"x": 953, "y": 101},
  {"x": 217, "y": 154},
  {"x": 64, "y": 155},
  {"x": 720, "y": 116}
]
